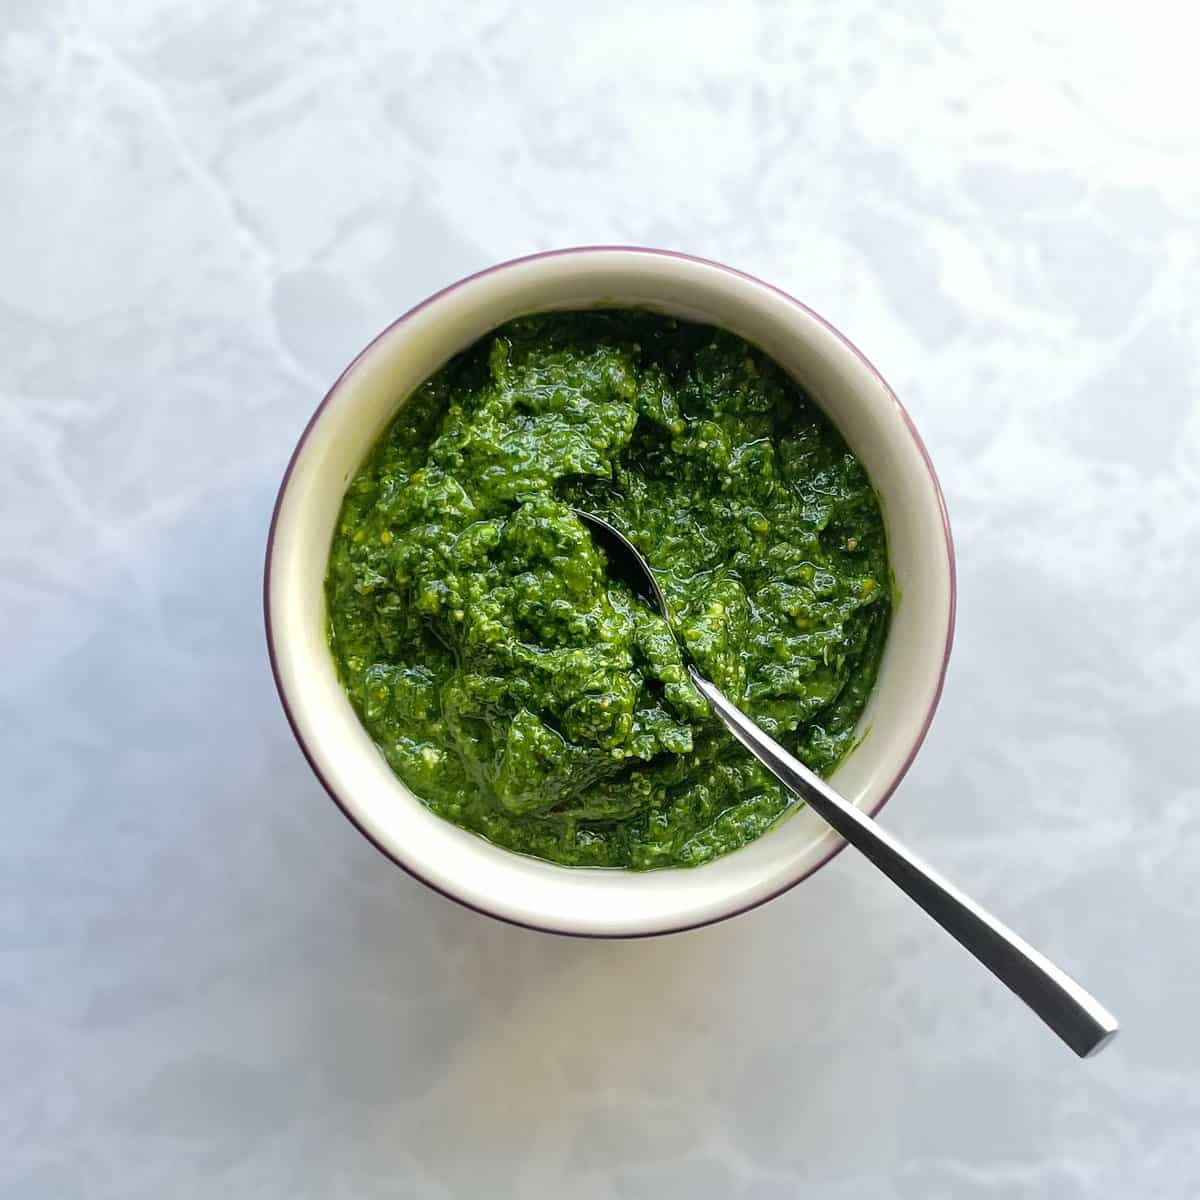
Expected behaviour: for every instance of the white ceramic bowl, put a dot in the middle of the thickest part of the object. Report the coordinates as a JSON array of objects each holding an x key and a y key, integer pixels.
[{"x": 604, "y": 903}]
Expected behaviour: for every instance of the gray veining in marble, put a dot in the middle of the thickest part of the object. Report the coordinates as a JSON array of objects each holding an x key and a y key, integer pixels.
[{"x": 210, "y": 985}]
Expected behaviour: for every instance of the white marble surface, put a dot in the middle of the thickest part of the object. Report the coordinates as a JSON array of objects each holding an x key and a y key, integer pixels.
[{"x": 210, "y": 985}]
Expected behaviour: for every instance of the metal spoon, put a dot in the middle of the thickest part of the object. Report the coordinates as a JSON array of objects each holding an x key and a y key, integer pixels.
[{"x": 1077, "y": 1017}]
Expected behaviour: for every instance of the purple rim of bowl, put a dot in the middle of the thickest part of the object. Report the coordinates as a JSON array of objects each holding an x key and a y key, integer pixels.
[{"x": 583, "y": 250}]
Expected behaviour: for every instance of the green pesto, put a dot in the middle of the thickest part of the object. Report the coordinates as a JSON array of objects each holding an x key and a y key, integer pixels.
[{"x": 522, "y": 693}]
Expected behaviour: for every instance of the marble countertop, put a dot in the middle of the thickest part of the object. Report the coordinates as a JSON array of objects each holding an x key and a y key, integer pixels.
[{"x": 210, "y": 985}]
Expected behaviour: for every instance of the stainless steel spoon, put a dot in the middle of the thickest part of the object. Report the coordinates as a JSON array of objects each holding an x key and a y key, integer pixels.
[{"x": 1076, "y": 1016}]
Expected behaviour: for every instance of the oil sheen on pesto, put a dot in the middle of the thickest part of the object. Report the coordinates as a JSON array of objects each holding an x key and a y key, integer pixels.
[{"x": 525, "y": 695}]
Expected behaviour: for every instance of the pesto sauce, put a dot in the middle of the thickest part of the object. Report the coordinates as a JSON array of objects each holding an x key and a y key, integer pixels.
[{"x": 523, "y": 694}]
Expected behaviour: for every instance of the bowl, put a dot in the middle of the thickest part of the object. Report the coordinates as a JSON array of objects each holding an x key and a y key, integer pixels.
[{"x": 462, "y": 865}]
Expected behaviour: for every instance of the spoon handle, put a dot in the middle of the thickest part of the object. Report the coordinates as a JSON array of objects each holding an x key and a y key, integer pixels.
[{"x": 1076, "y": 1016}]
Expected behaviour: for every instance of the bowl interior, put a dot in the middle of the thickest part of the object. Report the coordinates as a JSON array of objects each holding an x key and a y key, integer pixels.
[{"x": 368, "y": 396}]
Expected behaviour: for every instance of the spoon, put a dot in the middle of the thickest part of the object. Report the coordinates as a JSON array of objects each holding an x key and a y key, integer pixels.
[{"x": 1076, "y": 1016}]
